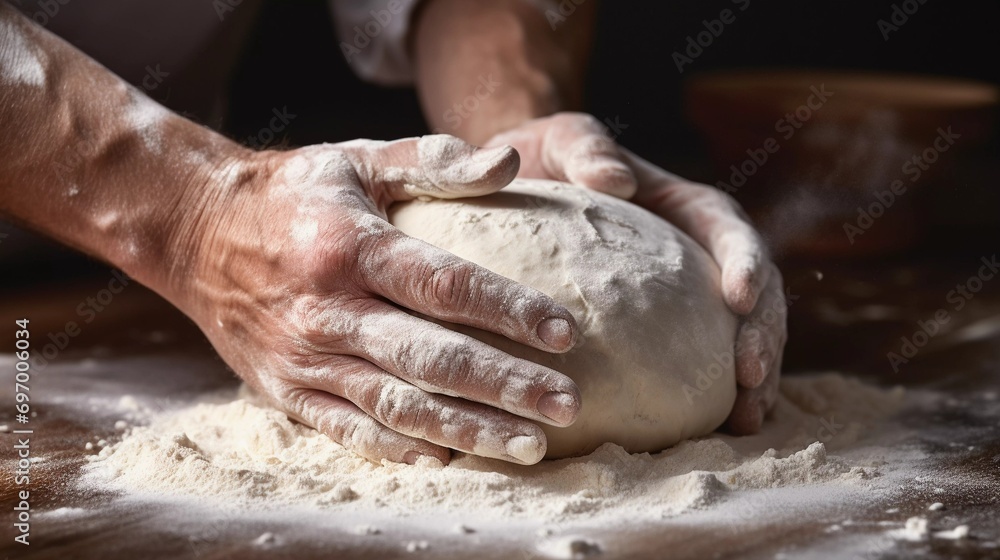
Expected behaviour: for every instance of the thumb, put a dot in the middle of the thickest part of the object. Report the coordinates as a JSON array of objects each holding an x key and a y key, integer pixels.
[{"x": 438, "y": 166}]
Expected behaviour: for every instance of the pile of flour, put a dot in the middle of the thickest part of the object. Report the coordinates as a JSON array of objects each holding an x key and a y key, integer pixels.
[{"x": 234, "y": 451}]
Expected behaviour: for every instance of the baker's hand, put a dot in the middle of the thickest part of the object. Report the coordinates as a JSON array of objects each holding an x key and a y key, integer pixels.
[
  {"x": 304, "y": 289},
  {"x": 577, "y": 148}
]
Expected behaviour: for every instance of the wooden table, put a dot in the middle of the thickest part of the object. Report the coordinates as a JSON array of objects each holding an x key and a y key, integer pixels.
[{"x": 846, "y": 321}]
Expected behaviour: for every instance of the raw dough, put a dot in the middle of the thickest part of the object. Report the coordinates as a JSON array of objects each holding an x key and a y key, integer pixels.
[{"x": 655, "y": 360}]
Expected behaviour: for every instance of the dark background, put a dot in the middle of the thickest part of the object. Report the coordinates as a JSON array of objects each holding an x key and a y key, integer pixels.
[
  {"x": 631, "y": 73},
  {"x": 292, "y": 60},
  {"x": 634, "y": 81}
]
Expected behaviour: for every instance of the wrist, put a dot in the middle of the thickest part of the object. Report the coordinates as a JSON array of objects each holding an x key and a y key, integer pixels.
[
  {"x": 523, "y": 103},
  {"x": 184, "y": 230},
  {"x": 484, "y": 68}
]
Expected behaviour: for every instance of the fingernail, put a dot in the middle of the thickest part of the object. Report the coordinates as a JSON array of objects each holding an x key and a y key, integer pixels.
[
  {"x": 556, "y": 332},
  {"x": 738, "y": 285},
  {"x": 493, "y": 154},
  {"x": 448, "y": 161},
  {"x": 765, "y": 367},
  {"x": 752, "y": 378},
  {"x": 526, "y": 449},
  {"x": 411, "y": 457},
  {"x": 561, "y": 408},
  {"x": 493, "y": 163}
]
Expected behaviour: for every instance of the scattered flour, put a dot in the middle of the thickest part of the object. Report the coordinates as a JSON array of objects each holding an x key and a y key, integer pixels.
[
  {"x": 570, "y": 548},
  {"x": 146, "y": 118},
  {"x": 267, "y": 540},
  {"x": 367, "y": 530},
  {"x": 915, "y": 529},
  {"x": 64, "y": 512},
  {"x": 960, "y": 532},
  {"x": 233, "y": 451},
  {"x": 417, "y": 546},
  {"x": 20, "y": 63}
]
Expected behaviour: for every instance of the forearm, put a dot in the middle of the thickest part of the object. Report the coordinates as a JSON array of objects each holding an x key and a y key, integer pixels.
[
  {"x": 485, "y": 67},
  {"x": 92, "y": 162}
]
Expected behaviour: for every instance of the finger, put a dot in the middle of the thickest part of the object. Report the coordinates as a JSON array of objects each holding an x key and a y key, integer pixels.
[
  {"x": 743, "y": 277},
  {"x": 346, "y": 424},
  {"x": 438, "y": 166},
  {"x": 762, "y": 335},
  {"x": 578, "y": 148},
  {"x": 429, "y": 280},
  {"x": 716, "y": 222},
  {"x": 442, "y": 361},
  {"x": 448, "y": 421},
  {"x": 752, "y": 405}
]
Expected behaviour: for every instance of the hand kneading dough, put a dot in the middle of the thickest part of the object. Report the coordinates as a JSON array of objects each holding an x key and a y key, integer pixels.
[{"x": 654, "y": 362}]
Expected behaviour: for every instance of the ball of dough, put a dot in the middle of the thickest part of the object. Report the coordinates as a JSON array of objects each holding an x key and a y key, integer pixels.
[{"x": 655, "y": 360}]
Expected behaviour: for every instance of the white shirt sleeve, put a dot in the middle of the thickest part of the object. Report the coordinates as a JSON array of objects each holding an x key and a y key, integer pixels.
[{"x": 373, "y": 38}]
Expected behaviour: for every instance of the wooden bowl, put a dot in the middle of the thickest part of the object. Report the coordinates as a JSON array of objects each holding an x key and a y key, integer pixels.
[{"x": 824, "y": 161}]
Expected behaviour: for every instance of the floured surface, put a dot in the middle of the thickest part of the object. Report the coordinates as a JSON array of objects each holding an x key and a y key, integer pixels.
[
  {"x": 237, "y": 452},
  {"x": 935, "y": 460}
]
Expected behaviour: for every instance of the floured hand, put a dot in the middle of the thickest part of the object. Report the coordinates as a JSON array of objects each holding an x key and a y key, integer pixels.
[
  {"x": 577, "y": 148},
  {"x": 303, "y": 287}
]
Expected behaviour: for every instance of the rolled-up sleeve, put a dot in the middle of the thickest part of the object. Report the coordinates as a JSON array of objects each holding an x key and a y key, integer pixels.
[{"x": 373, "y": 38}]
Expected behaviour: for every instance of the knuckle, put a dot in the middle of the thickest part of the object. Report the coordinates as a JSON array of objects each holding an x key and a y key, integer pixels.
[
  {"x": 399, "y": 407},
  {"x": 585, "y": 149},
  {"x": 714, "y": 194},
  {"x": 588, "y": 120},
  {"x": 457, "y": 361},
  {"x": 447, "y": 367},
  {"x": 334, "y": 246},
  {"x": 300, "y": 401},
  {"x": 336, "y": 424},
  {"x": 375, "y": 244},
  {"x": 720, "y": 200},
  {"x": 404, "y": 412},
  {"x": 346, "y": 432},
  {"x": 450, "y": 287},
  {"x": 316, "y": 326},
  {"x": 433, "y": 364},
  {"x": 387, "y": 404}
]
